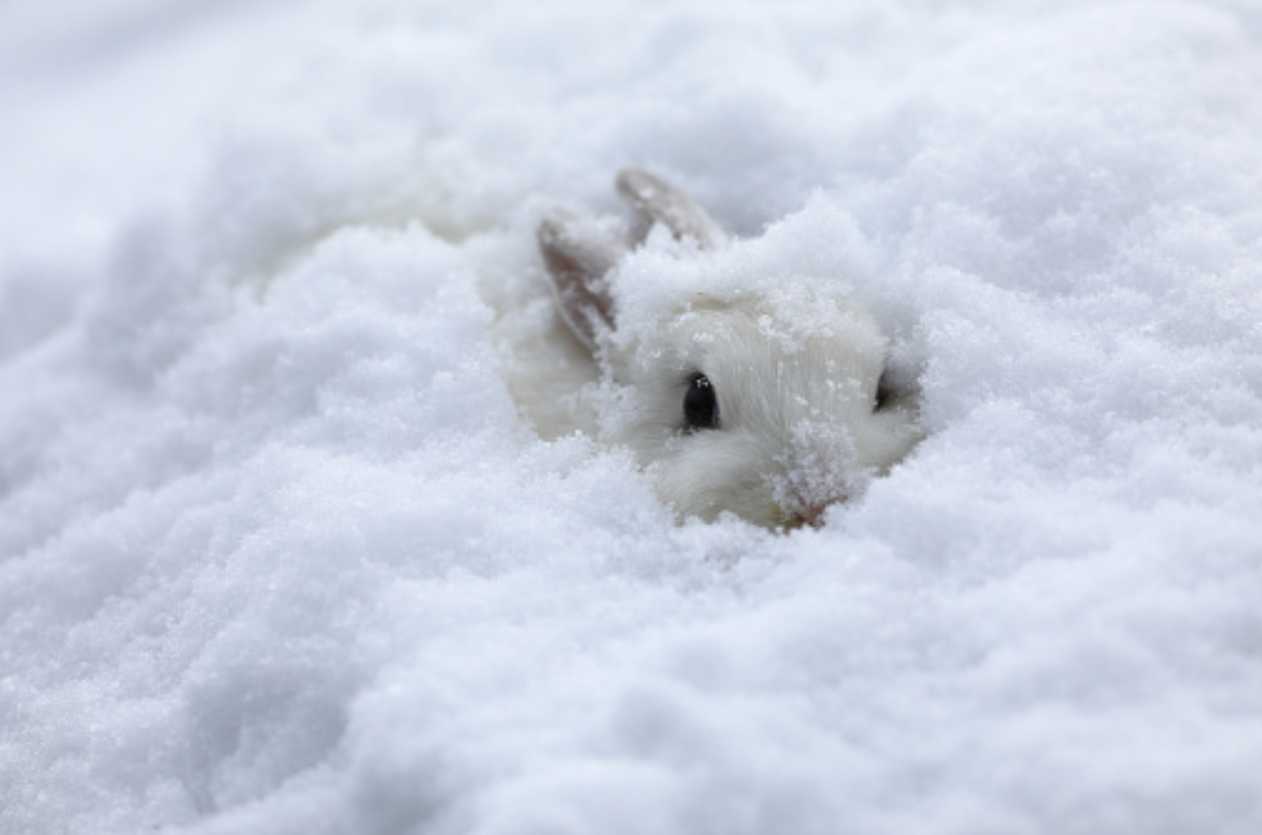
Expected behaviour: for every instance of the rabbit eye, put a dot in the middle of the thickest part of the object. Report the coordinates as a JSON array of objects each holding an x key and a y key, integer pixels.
[
  {"x": 884, "y": 391},
  {"x": 701, "y": 409}
]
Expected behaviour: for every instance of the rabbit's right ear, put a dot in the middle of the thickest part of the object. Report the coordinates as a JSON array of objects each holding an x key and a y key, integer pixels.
[{"x": 578, "y": 260}]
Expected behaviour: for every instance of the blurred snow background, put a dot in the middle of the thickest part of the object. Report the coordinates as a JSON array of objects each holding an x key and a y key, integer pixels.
[{"x": 277, "y": 556}]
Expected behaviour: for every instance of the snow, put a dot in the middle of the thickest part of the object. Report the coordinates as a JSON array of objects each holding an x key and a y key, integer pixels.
[{"x": 277, "y": 553}]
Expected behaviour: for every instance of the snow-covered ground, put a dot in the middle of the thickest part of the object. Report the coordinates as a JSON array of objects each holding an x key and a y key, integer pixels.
[{"x": 278, "y": 556}]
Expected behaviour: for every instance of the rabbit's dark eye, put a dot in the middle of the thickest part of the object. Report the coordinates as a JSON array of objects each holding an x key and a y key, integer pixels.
[
  {"x": 701, "y": 409},
  {"x": 884, "y": 391}
]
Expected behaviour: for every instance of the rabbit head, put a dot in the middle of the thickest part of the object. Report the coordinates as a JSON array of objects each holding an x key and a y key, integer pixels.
[{"x": 768, "y": 405}]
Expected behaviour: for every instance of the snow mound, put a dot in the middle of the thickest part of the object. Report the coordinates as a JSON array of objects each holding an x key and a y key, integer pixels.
[{"x": 277, "y": 554}]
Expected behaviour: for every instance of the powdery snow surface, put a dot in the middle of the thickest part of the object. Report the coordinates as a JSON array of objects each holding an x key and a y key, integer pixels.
[{"x": 278, "y": 556}]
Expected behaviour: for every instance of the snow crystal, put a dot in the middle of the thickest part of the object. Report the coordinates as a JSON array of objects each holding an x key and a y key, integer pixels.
[{"x": 277, "y": 553}]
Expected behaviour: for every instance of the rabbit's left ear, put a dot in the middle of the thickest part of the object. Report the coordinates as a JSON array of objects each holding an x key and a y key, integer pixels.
[
  {"x": 656, "y": 201},
  {"x": 578, "y": 260}
]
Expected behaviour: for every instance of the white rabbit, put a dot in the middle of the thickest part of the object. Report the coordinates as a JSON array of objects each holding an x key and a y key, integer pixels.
[{"x": 771, "y": 406}]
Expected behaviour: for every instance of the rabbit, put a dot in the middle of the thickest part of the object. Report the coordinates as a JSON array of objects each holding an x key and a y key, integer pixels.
[{"x": 770, "y": 406}]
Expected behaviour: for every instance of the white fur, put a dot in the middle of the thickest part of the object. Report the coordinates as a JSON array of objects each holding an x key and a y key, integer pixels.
[
  {"x": 797, "y": 427},
  {"x": 795, "y": 372}
]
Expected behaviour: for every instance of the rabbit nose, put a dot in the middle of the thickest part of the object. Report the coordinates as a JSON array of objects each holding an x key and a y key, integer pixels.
[{"x": 809, "y": 515}]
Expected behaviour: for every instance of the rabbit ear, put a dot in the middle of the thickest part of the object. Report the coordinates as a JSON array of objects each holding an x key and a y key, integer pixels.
[
  {"x": 657, "y": 201},
  {"x": 578, "y": 259}
]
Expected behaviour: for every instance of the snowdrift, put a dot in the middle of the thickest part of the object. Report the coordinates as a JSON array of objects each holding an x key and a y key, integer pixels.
[{"x": 277, "y": 553}]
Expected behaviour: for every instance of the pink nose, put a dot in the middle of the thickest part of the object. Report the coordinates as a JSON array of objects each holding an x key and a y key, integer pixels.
[{"x": 812, "y": 515}]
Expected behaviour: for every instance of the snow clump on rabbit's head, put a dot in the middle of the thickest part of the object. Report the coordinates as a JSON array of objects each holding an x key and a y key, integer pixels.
[{"x": 769, "y": 405}]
